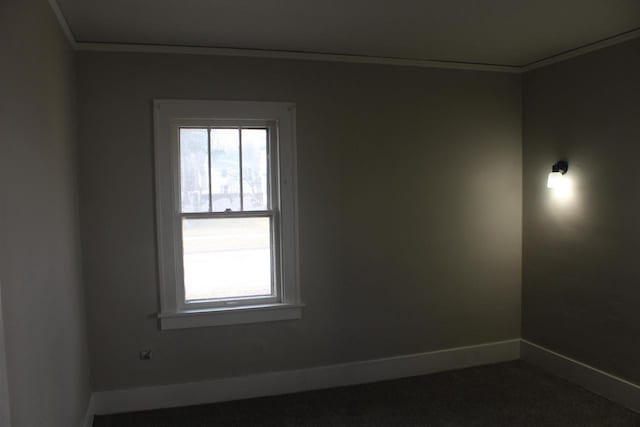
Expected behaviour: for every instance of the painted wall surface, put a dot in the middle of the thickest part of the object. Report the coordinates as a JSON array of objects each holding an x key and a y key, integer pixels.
[
  {"x": 5, "y": 409},
  {"x": 42, "y": 297},
  {"x": 581, "y": 295},
  {"x": 409, "y": 205}
]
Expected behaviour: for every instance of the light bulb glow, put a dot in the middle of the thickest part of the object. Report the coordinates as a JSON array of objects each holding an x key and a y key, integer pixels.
[
  {"x": 555, "y": 180},
  {"x": 560, "y": 184}
]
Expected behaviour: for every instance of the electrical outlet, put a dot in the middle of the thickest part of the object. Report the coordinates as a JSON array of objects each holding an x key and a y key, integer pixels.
[{"x": 145, "y": 355}]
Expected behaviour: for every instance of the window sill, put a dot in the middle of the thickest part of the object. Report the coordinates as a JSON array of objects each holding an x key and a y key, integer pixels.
[{"x": 230, "y": 316}]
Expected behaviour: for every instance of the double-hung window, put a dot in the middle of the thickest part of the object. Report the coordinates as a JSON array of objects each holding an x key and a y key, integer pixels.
[{"x": 226, "y": 212}]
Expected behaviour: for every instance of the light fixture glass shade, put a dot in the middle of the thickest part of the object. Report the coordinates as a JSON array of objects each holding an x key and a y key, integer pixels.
[{"x": 555, "y": 180}]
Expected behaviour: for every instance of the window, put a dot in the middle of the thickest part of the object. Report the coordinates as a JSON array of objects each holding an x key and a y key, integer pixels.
[{"x": 226, "y": 212}]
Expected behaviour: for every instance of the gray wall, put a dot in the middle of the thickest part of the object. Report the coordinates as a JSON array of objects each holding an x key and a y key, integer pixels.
[
  {"x": 409, "y": 203},
  {"x": 5, "y": 410},
  {"x": 42, "y": 301},
  {"x": 581, "y": 293}
]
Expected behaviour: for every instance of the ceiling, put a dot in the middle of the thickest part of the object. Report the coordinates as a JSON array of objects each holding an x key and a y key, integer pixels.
[{"x": 502, "y": 32}]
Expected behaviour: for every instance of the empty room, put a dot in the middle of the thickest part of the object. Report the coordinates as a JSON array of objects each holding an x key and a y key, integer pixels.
[{"x": 319, "y": 213}]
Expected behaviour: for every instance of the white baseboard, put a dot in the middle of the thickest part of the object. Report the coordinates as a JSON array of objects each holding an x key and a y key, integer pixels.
[
  {"x": 88, "y": 418},
  {"x": 274, "y": 383},
  {"x": 609, "y": 386}
]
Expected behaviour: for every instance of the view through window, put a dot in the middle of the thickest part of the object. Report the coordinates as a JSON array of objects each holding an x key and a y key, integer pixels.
[{"x": 227, "y": 220}]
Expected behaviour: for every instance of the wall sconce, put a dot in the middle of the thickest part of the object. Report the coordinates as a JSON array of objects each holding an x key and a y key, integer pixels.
[{"x": 556, "y": 177}]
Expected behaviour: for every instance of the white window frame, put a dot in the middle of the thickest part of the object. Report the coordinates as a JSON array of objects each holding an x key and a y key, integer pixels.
[{"x": 279, "y": 118}]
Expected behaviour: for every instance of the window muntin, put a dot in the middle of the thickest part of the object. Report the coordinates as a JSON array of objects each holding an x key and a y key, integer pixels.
[{"x": 228, "y": 227}]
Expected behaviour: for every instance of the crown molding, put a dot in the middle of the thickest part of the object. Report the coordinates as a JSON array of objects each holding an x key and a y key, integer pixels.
[
  {"x": 334, "y": 57},
  {"x": 295, "y": 55},
  {"x": 64, "y": 25},
  {"x": 579, "y": 51}
]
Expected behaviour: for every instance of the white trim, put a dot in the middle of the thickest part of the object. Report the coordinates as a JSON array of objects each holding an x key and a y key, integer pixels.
[
  {"x": 5, "y": 407},
  {"x": 579, "y": 51},
  {"x": 64, "y": 25},
  {"x": 274, "y": 383},
  {"x": 600, "y": 382},
  {"x": 333, "y": 57},
  {"x": 88, "y": 418},
  {"x": 230, "y": 316},
  {"x": 359, "y": 59},
  {"x": 280, "y": 54},
  {"x": 286, "y": 302}
]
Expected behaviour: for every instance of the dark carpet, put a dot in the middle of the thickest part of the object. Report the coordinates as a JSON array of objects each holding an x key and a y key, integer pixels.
[{"x": 506, "y": 394}]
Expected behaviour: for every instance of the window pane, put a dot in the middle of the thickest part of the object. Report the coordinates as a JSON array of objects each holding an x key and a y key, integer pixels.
[
  {"x": 226, "y": 257},
  {"x": 254, "y": 169},
  {"x": 225, "y": 169},
  {"x": 194, "y": 170}
]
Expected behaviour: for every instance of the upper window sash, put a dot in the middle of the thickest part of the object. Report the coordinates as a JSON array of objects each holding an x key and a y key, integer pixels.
[{"x": 211, "y": 125}]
